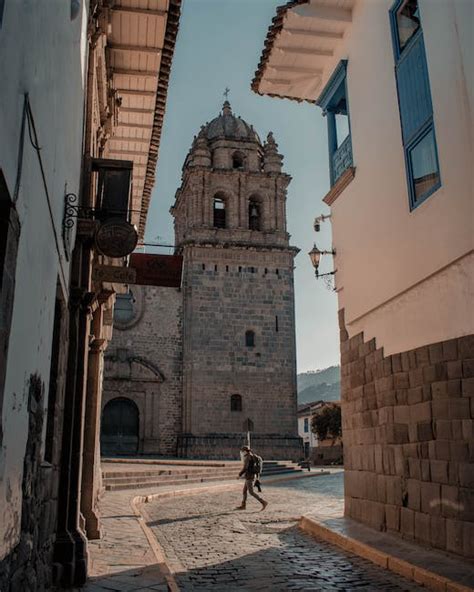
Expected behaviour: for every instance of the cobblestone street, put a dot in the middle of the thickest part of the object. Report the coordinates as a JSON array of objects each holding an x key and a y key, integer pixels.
[{"x": 212, "y": 547}]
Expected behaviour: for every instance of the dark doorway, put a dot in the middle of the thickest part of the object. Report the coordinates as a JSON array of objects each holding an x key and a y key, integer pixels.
[{"x": 119, "y": 429}]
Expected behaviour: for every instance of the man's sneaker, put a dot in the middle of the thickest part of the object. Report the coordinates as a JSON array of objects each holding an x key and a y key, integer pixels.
[
  {"x": 264, "y": 505},
  {"x": 242, "y": 507}
]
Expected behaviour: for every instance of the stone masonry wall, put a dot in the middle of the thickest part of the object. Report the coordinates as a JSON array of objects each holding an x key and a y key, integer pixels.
[
  {"x": 144, "y": 363},
  {"x": 408, "y": 429},
  {"x": 226, "y": 293},
  {"x": 28, "y": 567},
  {"x": 227, "y": 446}
]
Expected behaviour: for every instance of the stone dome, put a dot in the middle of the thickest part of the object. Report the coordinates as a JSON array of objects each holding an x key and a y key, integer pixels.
[{"x": 229, "y": 126}]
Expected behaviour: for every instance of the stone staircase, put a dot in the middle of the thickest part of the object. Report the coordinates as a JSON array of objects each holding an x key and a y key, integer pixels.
[{"x": 119, "y": 476}]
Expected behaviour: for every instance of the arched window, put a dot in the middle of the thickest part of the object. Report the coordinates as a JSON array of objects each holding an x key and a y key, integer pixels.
[
  {"x": 236, "y": 403},
  {"x": 238, "y": 161},
  {"x": 250, "y": 338},
  {"x": 254, "y": 215},
  {"x": 219, "y": 213},
  {"x": 123, "y": 309}
]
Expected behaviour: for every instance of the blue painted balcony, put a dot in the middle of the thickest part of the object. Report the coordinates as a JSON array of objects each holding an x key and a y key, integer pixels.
[{"x": 342, "y": 159}]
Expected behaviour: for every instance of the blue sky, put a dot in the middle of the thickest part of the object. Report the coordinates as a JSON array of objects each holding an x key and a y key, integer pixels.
[{"x": 219, "y": 45}]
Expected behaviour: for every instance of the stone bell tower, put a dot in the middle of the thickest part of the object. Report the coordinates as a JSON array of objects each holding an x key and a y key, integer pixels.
[{"x": 239, "y": 355}]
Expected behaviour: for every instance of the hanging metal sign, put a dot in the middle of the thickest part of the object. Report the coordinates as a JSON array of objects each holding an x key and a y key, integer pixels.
[{"x": 116, "y": 238}]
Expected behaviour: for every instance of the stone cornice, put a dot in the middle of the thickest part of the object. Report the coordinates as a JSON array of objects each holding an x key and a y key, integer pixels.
[{"x": 238, "y": 245}]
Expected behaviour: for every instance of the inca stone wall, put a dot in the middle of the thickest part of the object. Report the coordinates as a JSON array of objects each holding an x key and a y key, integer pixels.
[
  {"x": 28, "y": 567},
  {"x": 408, "y": 426},
  {"x": 144, "y": 364}
]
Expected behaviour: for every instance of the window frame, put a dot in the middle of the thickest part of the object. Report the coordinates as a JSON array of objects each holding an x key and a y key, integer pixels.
[
  {"x": 306, "y": 425},
  {"x": 326, "y": 100},
  {"x": 427, "y": 126},
  {"x": 397, "y": 49},
  {"x": 408, "y": 148}
]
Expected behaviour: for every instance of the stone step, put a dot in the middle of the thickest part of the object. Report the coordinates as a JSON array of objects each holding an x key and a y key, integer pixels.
[
  {"x": 147, "y": 475},
  {"x": 138, "y": 480},
  {"x": 268, "y": 467},
  {"x": 138, "y": 484}
]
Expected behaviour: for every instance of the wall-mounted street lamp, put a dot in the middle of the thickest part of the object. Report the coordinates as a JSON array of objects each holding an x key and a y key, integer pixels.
[
  {"x": 318, "y": 220},
  {"x": 315, "y": 256}
]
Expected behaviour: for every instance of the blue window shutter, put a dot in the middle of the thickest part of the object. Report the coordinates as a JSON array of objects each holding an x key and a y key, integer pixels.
[{"x": 413, "y": 89}]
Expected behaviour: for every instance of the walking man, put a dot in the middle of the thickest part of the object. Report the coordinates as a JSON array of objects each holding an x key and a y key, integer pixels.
[{"x": 250, "y": 471}]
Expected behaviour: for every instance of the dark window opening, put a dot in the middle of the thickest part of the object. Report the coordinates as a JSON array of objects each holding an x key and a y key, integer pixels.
[
  {"x": 227, "y": 268},
  {"x": 254, "y": 216},
  {"x": 219, "y": 213},
  {"x": 306, "y": 425},
  {"x": 277, "y": 271},
  {"x": 238, "y": 161},
  {"x": 250, "y": 338},
  {"x": 215, "y": 267},
  {"x": 266, "y": 271},
  {"x": 240, "y": 269},
  {"x": 203, "y": 267},
  {"x": 236, "y": 403},
  {"x": 276, "y": 323}
]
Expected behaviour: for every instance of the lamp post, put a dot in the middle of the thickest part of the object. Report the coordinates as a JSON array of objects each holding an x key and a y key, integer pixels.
[{"x": 315, "y": 256}]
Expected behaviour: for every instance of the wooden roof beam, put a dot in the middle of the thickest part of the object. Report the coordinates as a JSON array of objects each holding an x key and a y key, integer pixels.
[
  {"x": 305, "y": 51},
  {"x": 145, "y": 126},
  {"x": 291, "y": 32},
  {"x": 136, "y": 110},
  {"x": 137, "y": 48},
  {"x": 142, "y": 73},
  {"x": 324, "y": 13},
  {"x": 129, "y": 139},
  {"x": 131, "y": 152},
  {"x": 295, "y": 69},
  {"x": 139, "y": 11},
  {"x": 136, "y": 93}
]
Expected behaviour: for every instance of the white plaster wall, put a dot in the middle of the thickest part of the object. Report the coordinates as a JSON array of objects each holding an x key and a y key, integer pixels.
[
  {"x": 307, "y": 436},
  {"x": 383, "y": 249},
  {"x": 43, "y": 53}
]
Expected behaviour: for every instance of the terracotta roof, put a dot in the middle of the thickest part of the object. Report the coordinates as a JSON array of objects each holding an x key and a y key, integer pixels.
[
  {"x": 172, "y": 25},
  {"x": 273, "y": 31}
]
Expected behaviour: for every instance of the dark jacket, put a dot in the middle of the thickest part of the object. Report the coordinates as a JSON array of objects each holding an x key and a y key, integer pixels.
[{"x": 246, "y": 468}]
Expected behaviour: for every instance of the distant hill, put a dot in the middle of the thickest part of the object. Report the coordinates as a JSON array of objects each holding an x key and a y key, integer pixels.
[{"x": 320, "y": 385}]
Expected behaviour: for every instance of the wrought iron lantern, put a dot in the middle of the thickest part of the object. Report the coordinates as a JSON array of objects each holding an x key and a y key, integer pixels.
[{"x": 315, "y": 256}]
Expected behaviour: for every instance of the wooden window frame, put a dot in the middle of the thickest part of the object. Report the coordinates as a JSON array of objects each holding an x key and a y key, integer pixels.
[{"x": 414, "y": 136}]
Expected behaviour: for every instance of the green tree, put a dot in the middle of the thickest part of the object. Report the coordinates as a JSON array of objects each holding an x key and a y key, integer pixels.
[{"x": 327, "y": 424}]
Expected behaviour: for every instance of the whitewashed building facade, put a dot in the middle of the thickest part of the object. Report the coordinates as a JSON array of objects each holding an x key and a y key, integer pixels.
[
  {"x": 83, "y": 92},
  {"x": 395, "y": 82}
]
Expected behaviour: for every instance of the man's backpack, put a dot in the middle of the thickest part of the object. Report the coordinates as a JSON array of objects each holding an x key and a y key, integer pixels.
[{"x": 255, "y": 464}]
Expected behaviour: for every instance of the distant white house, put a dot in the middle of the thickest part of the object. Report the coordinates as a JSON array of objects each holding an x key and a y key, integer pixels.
[{"x": 305, "y": 413}]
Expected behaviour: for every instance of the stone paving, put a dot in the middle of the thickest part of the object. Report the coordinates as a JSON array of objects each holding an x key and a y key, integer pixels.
[
  {"x": 213, "y": 547},
  {"x": 123, "y": 559}
]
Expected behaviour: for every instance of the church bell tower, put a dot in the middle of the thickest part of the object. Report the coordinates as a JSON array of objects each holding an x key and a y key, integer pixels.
[{"x": 239, "y": 354}]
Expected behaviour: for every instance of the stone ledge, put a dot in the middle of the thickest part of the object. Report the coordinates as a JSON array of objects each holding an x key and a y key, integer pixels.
[{"x": 332, "y": 532}]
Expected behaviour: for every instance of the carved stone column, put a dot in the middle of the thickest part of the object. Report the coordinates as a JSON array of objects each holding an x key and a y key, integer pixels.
[
  {"x": 91, "y": 469},
  {"x": 70, "y": 552}
]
